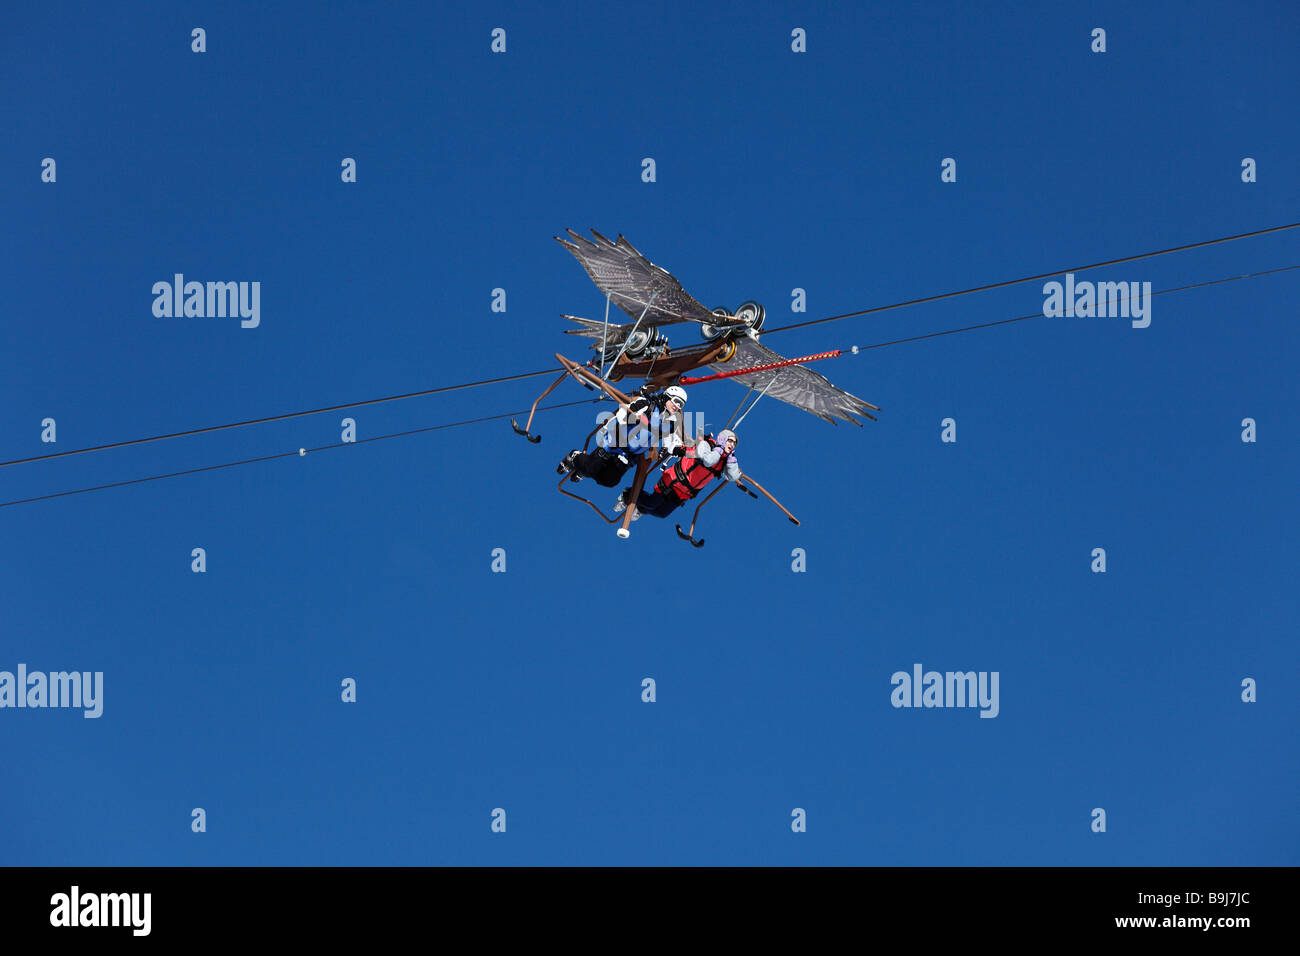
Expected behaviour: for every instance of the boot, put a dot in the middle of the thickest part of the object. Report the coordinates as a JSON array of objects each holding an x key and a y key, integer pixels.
[{"x": 567, "y": 464}]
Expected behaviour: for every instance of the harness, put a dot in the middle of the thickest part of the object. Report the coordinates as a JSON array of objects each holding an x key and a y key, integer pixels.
[
  {"x": 647, "y": 423},
  {"x": 636, "y": 418},
  {"x": 689, "y": 474}
]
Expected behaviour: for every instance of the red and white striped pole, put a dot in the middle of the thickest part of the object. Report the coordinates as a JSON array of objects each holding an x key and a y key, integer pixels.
[{"x": 696, "y": 379}]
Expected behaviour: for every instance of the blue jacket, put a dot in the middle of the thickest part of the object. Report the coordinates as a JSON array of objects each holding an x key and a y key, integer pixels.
[{"x": 636, "y": 438}]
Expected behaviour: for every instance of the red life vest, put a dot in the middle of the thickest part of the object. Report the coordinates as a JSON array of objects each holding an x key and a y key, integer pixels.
[{"x": 689, "y": 474}]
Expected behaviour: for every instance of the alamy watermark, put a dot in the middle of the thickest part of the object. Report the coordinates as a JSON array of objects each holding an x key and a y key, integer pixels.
[
  {"x": 949, "y": 689},
  {"x": 213, "y": 300},
  {"x": 56, "y": 689},
  {"x": 76, "y": 908},
  {"x": 1106, "y": 300},
  {"x": 639, "y": 435}
]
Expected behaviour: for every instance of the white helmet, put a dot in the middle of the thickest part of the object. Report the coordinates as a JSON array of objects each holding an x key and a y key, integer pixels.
[{"x": 677, "y": 394}]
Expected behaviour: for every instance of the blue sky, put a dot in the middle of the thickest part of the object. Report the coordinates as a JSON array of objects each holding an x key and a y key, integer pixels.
[{"x": 775, "y": 170}]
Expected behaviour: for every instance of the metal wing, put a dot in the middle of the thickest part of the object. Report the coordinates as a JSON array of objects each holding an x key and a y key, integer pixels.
[
  {"x": 597, "y": 331},
  {"x": 632, "y": 281},
  {"x": 796, "y": 385}
]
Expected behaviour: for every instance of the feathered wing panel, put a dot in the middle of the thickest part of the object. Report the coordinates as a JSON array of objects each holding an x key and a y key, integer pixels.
[
  {"x": 797, "y": 385},
  {"x": 631, "y": 280},
  {"x": 596, "y": 330}
]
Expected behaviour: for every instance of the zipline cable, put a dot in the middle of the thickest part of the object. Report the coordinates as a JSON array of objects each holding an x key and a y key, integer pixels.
[
  {"x": 548, "y": 371},
  {"x": 415, "y": 431},
  {"x": 855, "y": 349},
  {"x": 1039, "y": 315},
  {"x": 1045, "y": 275},
  {"x": 278, "y": 418},
  {"x": 284, "y": 454}
]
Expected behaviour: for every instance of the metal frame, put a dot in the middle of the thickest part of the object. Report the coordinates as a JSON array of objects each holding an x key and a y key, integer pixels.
[
  {"x": 767, "y": 494},
  {"x": 690, "y": 535},
  {"x": 673, "y": 367}
]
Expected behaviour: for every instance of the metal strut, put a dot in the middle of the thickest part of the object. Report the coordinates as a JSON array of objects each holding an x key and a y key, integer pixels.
[
  {"x": 739, "y": 407},
  {"x": 766, "y": 494},
  {"x": 628, "y": 339},
  {"x": 585, "y": 378},
  {"x": 760, "y": 395},
  {"x": 604, "y": 336},
  {"x": 690, "y": 535},
  {"x": 533, "y": 411},
  {"x": 642, "y": 469}
]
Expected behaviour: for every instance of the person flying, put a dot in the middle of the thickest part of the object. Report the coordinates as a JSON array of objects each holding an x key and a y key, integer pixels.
[
  {"x": 682, "y": 480},
  {"x": 649, "y": 420}
]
